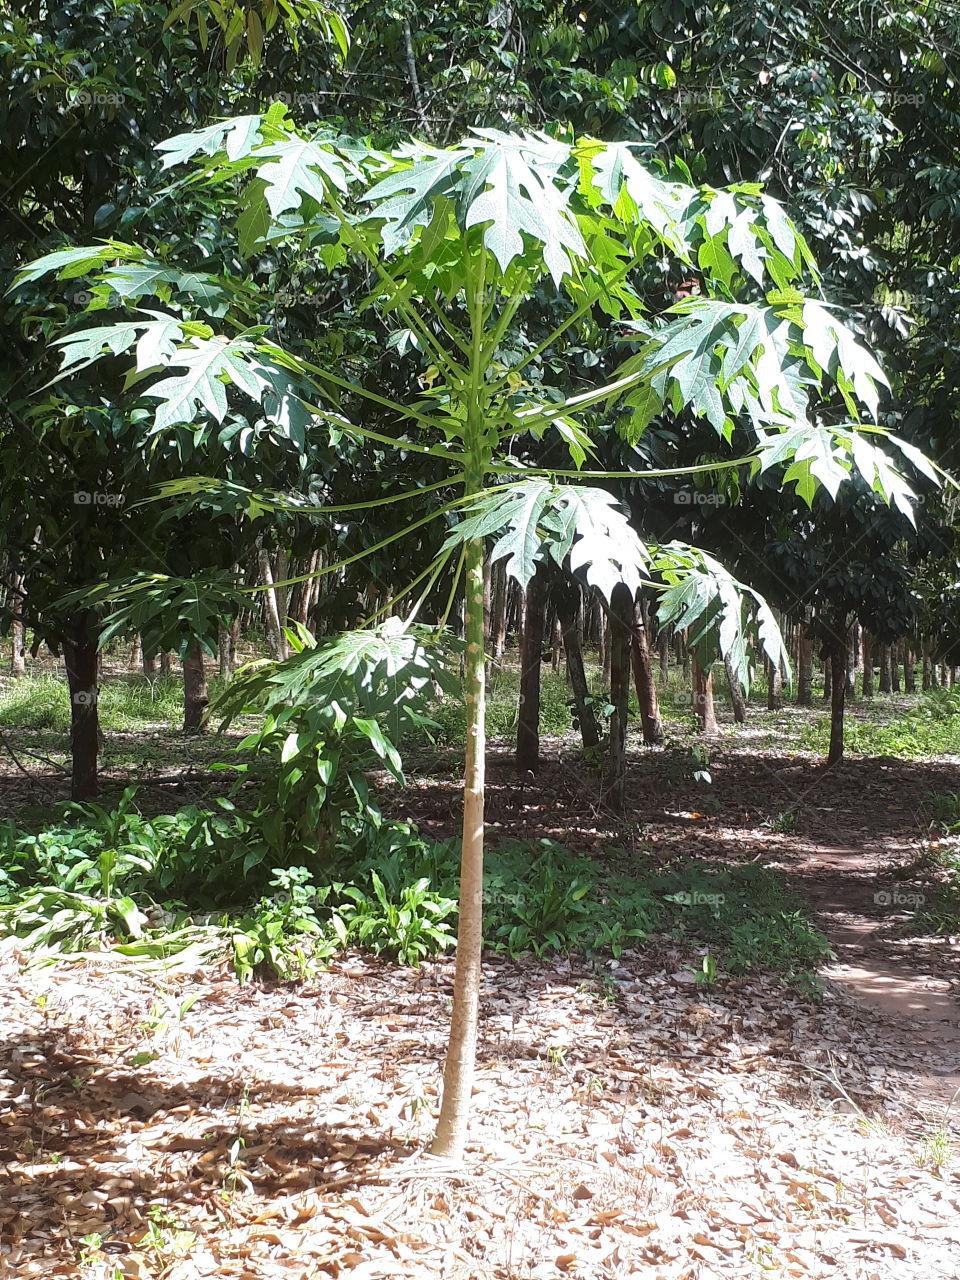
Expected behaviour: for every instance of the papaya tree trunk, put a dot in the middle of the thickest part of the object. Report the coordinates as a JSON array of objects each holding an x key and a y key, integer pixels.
[
  {"x": 567, "y": 603},
  {"x": 195, "y": 699},
  {"x": 460, "y": 1065},
  {"x": 531, "y": 656},
  {"x": 895, "y": 668},
  {"x": 643, "y": 680},
  {"x": 619, "y": 639},
  {"x": 703, "y": 698},
  {"x": 80, "y": 659}
]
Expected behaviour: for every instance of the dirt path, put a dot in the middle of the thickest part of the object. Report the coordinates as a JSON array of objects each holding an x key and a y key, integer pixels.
[{"x": 856, "y": 902}]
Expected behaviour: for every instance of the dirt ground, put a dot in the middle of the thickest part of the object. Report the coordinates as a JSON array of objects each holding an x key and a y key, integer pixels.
[{"x": 628, "y": 1121}]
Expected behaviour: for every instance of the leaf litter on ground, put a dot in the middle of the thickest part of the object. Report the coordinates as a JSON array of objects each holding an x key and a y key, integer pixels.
[{"x": 628, "y": 1121}]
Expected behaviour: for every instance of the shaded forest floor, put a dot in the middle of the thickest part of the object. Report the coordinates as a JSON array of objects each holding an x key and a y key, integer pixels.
[{"x": 629, "y": 1119}]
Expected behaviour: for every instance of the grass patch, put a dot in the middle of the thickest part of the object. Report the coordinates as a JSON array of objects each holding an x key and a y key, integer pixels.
[
  {"x": 931, "y": 728},
  {"x": 152, "y": 886}
]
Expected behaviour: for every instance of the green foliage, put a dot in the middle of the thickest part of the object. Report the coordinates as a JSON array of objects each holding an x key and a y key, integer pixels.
[
  {"x": 42, "y": 701},
  {"x": 332, "y": 711},
  {"x": 110, "y": 877},
  {"x": 931, "y": 728}
]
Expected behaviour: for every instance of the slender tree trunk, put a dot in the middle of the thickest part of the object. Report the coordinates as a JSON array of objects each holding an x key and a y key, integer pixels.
[
  {"x": 606, "y": 651},
  {"x": 895, "y": 668},
  {"x": 663, "y": 645},
  {"x": 838, "y": 687},
  {"x": 774, "y": 686},
  {"x": 805, "y": 668},
  {"x": 567, "y": 603},
  {"x": 643, "y": 679},
  {"x": 531, "y": 656},
  {"x": 866, "y": 644},
  {"x": 909, "y": 670},
  {"x": 135, "y": 662},
  {"x": 827, "y": 675},
  {"x": 851, "y": 673},
  {"x": 18, "y": 643},
  {"x": 703, "y": 698},
  {"x": 225, "y": 651},
  {"x": 149, "y": 664},
  {"x": 736, "y": 692},
  {"x": 275, "y": 639},
  {"x": 305, "y": 598},
  {"x": 619, "y": 639},
  {"x": 164, "y": 663},
  {"x": 460, "y": 1064},
  {"x": 498, "y": 608},
  {"x": 18, "y": 649},
  {"x": 80, "y": 660},
  {"x": 886, "y": 670},
  {"x": 927, "y": 677},
  {"x": 556, "y": 644},
  {"x": 195, "y": 699}
]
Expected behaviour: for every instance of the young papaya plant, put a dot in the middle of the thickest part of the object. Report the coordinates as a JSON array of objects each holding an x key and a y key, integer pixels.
[{"x": 455, "y": 242}]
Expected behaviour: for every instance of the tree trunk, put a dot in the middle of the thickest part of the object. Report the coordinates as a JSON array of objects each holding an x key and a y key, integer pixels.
[
  {"x": 195, "y": 700},
  {"x": 663, "y": 645},
  {"x": 619, "y": 640},
  {"x": 567, "y": 603},
  {"x": 851, "y": 672},
  {"x": 838, "y": 687},
  {"x": 275, "y": 639},
  {"x": 18, "y": 650},
  {"x": 531, "y": 656},
  {"x": 165, "y": 663},
  {"x": 909, "y": 670},
  {"x": 643, "y": 679},
  {"x": 927, "y": 677},
  {"x": 703, "y": 698},
  {"x": 136, "y": 655},
  {"x": 80, "y": 660},
  {"x": 895, "y": 668},
  {"x": 774, "y": 686},
  {"x": 886, "y": 670},
  {"x": 827, "y": 675},
  {"x": 866, "y": 646},
  {"x": 498, "y": 610},
  {"x": 805, "y": 669},
  {"x": 556, "y": 645},
  {"x": 225, "y": 651},
  {"x": 606, "y": 651},
  {"x": 736, "y": 692},
  {"x": 18, "y": 640},
  {"x": 460, "y": 1063}
]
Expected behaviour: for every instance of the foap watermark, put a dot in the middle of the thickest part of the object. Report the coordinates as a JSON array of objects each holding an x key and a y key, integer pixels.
[
  {"x": 85, "y": 698},
  {"x": 697, "y": 899},
  {"x": 94, "y": 498},
  {"x": 288, "y": 299},
  {"x": 298, "y": 99},
  {"x": 697, "y": 498},
  {"x": 899, "y": 897},
  {"x": 96, "y": 98}
]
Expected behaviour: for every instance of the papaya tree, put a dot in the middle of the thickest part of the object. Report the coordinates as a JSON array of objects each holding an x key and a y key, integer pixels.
[{"x": 454, "y": 240}]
